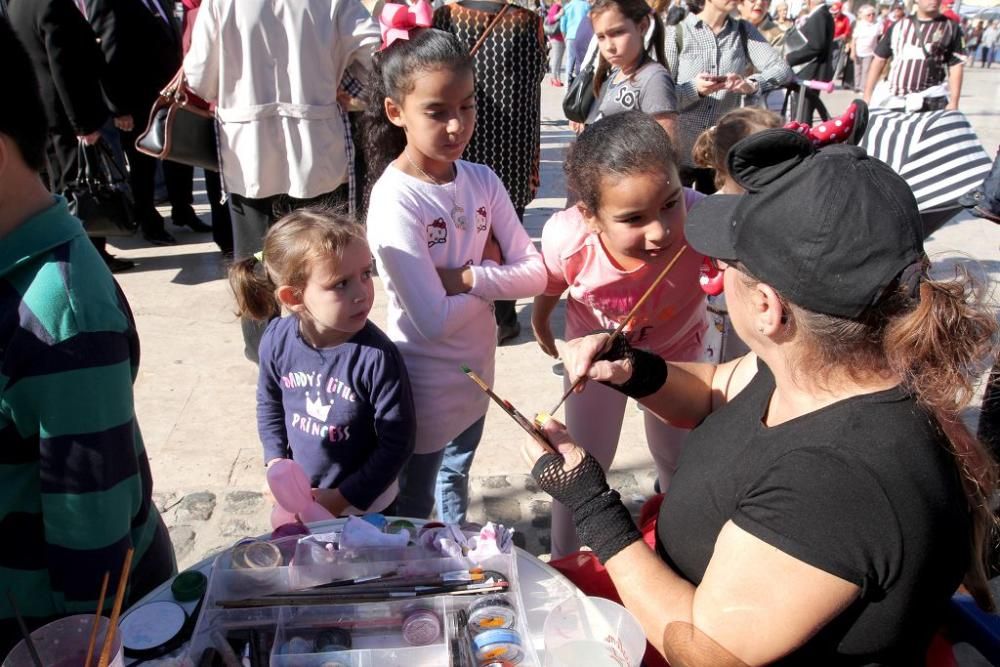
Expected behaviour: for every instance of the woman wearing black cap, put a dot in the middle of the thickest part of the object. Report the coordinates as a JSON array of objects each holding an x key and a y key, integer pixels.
[{"x": 830, "y": 500}]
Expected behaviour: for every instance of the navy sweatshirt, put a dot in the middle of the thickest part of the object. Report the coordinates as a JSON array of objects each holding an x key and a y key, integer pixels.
[{"x": 344, "y": 413}]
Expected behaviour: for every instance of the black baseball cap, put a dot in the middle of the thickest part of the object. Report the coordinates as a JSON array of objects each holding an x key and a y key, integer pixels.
[{"x": 830, "y": 229}]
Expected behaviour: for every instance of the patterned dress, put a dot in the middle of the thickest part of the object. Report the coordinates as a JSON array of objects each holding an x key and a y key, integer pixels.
[{"x": 509, "y": 67}]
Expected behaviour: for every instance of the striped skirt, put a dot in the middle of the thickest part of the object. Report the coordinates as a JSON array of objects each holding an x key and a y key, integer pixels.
[{"x": 936, "y": 152}]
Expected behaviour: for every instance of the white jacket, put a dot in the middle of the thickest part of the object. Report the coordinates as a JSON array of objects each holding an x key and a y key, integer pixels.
[{"x": 273, "y": 67}]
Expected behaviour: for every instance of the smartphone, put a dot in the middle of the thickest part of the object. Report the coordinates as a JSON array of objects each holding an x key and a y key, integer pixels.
[{"x": 715, "y": 78}]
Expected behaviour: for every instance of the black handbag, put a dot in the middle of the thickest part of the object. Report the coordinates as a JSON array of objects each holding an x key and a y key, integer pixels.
[
  {"x": 580, "y": 96},
  {"x": 180, "y": 129},
  {"x": 100, "y": 196}
]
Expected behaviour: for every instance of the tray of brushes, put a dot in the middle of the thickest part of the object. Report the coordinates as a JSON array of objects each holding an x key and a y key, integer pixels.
[{"x": 307, "y": 601}]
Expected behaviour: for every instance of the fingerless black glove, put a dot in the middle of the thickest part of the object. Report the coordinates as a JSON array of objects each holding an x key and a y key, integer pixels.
[
  {"x": 649, "y": 371},
  {"x": 602, "y": 520}
]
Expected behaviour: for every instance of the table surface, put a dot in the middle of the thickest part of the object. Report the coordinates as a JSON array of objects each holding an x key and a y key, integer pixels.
[{"x": 542, "y": 587}]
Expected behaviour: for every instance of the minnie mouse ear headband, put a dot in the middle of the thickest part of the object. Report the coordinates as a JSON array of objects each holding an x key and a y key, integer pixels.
[
  {"x": 396, "y": 21},
  {"x": 849, "y": 128},
  {"x": 829, "y": 228}
]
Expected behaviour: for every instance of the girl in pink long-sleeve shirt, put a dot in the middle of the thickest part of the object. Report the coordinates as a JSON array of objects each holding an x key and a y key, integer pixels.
[
  {"x": 448, "y": 244},
  {"x": 606, "y": 251}
]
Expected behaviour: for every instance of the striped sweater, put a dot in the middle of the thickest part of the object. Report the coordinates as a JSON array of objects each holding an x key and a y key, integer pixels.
[{"x": 75, "y": 486}]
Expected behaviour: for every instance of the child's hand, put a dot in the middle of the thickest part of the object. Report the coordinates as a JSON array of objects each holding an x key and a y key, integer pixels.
[
  {"x": 576, "y": 127},
  {"x": 332, "y": 499},
  {"x": 543, "y": 334},
  {"x": 492, "y": 250},
  {"x": 266, "y": 490},
  {"x": 455, "y": 281}
]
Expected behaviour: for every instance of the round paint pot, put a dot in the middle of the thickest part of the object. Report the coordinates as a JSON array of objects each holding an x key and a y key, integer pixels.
[
  {"x": 376, "y": 519},
  {"x": 399, "y": 525},
  {"x": 333, "y": 639},
  {"x": 256, "y": 555},
  {"x": 498, "y": 663},
  {"x": 498, "y": 645},
  {"x": 153, "y": 629},
  {"x": 421, "y": 628},
  {"x": 492, "y": 612},
  {"x": 430, "y": 525},
  {"x": 297, "y": 645},
  {"x": 188, "y": 586}
]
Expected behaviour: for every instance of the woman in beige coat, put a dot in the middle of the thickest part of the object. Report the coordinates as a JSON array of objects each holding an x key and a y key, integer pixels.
[{"x": 273, "y": 68}]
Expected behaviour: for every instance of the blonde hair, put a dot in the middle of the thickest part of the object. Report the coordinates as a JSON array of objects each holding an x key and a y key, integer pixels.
[
  {"x": 712, "y": 145},
  {"x": 291, "y": 248}
]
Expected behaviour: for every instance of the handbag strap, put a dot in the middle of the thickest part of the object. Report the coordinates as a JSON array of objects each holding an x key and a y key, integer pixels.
[
  {"x": 176, "y": 90},
  {"x": 488, "y": 30},
  {"x": 111, "y": 165},
  {"x": 84, "y": 170}
]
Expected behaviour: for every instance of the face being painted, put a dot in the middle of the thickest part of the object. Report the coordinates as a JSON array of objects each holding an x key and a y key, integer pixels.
[{"x": 640, "y": 217}]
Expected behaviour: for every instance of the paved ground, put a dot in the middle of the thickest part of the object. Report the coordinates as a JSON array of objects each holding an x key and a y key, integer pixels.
[{"x": 195, "y": 392}]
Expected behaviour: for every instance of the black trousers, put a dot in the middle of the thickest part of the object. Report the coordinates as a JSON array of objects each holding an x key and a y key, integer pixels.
[
  {"x": 251, "y": 220},
  {"x": 142, "y": 177},
  {"x": 504, "y": 311},
  {"x": 222, "y": 220}
]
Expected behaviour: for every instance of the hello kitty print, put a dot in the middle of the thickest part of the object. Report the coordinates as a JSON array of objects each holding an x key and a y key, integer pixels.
[{"x": 437, "y": 232}]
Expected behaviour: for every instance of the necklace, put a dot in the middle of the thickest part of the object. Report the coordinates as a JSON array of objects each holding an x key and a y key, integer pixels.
[{"x": 457, "y": 212}]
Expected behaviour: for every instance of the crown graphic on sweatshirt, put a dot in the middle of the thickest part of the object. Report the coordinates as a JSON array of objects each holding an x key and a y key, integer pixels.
[{"x": 316, "y": 409}]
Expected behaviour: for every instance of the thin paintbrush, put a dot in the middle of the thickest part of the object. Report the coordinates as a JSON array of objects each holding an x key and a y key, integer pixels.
[
  {"x": 97, "y": 620},
  {"x": 507, "y": 407},
  {"x": 28, "y": 642},
  {"x": 116, "y": 610},
  {"x": 299, "y": 600},
  {"x": 624, "y": 323},
  {"x": 394, "y": 582}
]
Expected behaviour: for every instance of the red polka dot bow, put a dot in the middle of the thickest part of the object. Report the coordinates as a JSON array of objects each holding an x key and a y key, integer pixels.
[
  {"x": 833, "y": 131},
  {"x": 396, "y": 21}
]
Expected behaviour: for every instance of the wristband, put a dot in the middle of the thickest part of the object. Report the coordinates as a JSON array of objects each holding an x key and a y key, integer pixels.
[
  {"x": 602, "y": 521},
  {"x": 649, "y": 371}
]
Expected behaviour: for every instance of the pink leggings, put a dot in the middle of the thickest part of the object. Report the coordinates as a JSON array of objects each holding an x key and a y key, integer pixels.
[{"x": 594, "y": 419}]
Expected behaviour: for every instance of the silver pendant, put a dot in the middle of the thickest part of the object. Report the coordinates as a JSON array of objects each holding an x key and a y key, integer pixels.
[{"x": 458, "y": 217}]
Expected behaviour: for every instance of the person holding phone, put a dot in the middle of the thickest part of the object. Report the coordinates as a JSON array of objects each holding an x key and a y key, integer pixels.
[{"x": 709, "y": 54}]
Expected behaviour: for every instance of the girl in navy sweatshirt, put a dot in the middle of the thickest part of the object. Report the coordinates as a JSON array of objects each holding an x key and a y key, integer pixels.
[{"x": 333, "y": 392}]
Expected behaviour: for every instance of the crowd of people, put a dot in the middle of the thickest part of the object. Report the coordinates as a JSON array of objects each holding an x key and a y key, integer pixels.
[{"x": 821, "y": 497}]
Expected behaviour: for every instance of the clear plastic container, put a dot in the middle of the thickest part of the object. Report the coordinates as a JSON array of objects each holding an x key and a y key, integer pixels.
[
  {"x": 592, "y": 631},
  {"x": 404, "y": 632}
]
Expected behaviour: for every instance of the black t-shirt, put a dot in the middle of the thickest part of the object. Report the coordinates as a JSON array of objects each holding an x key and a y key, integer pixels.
[{"x": 865, "y": 489}]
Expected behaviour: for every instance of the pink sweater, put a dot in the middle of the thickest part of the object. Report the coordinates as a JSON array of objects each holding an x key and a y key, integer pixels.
[
  {"x": 673, "y": 320},
  {"x": 411, "y": 232}
]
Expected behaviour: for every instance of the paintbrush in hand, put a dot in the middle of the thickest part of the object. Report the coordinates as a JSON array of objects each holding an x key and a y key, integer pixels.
[
  {"x": 531, "y": 428},
  {"x": 624, "y": 323}
]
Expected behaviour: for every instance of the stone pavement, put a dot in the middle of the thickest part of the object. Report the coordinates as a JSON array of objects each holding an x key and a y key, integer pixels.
[{"x": 195, "y": 391}]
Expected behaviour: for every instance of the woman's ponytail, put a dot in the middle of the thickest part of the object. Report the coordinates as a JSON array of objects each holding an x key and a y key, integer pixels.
[
  {"x": 253, "y": 289},
  {"x": 939, "y": 348},
  {"x": 937, "y": 337}
]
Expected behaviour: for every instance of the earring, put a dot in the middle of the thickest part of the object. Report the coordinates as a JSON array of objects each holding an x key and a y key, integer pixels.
[{"x": 760, "y": 329}]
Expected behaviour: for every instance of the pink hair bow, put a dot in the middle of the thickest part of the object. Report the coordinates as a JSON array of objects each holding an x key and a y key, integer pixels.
[{"x": 396, "y": 21}]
